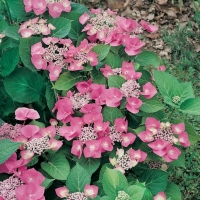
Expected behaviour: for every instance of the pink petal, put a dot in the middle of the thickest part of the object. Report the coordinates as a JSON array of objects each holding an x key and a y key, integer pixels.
[{"x": 84, "y": 18}]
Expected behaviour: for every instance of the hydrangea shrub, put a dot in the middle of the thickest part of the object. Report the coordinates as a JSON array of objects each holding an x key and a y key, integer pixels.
[{"x": 86, "y": 114}]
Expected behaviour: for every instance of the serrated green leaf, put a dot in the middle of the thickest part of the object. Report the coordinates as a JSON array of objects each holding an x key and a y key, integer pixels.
[
  {"x": 110, "y": 114},
  {"x": 155, "y": 180},
  {"x": 25, "y": 51},
  {"x": 191, "y": 106},
  {"x": 147, "y": 58},
  {"x": 24, "y": 86},
  {"x": 113, "y": 60},
  {"x": 57, "y": 167},
  {"x": 113, "y": 182},
  {"x": 151, "y": 105},
  {"x": 9, "y": 61},
  {"x": 101, "y": 50},
  {"x": 67, "y": 80},
  {"x": 62, "y": 25},
  {"x": 7, "y": 148},
  {"x": 115, "y": 81},
  {"x": 77, "y": 179},
  {"x": 135, "y": 192},
  {"x": 172, "y": 191}
]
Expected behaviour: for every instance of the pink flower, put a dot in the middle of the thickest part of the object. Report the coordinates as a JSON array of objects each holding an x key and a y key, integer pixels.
[
  {"x": 48, "y": 131},
  {"x": 84, "y": 18},
  {"x": 31, "y": 191},
  {"x": 92, "y": 117},
  {"x": 66, "y": 5},
  {"x": 70, "y": 132},
  {"x": 107, "y": 71},
  {"x": 152, "y": 125},
  {"x": 91, "y": 190},
  {"x": 126, "y": 25},
  {"x": 133, "y": 104},
  {"x": 97, "y": 93},
  {"x": 149, "y": 28},
  {"x": 92, "y": 58},
  {"x": 77, "y": 148},
  {"x": 55, "y": 9},
  {"x": 106, "y": 144},
  {"x": 62, "y": 192},
  {"x": 91, "y": 108},
  {"x": 128, "y": 139},
  {"x": 26, "y": 113},
  {"x": 100, "y": 126},
  {"x": 138, "y": 155},
  {"x": 39, "y": 62},
  {"x": 37, "y": 49},
  {"x": 178, "y": 128},
  {"x": 148, "y": 90},
  {"x": 54, "y": 71},
  {"x": 26, "y": 154},
  {"x": 146, "y": 136},
  {"x": 160, "y": 196},
  {"x": 55, "y": 144},
  {"x": 83, "y": 86},
  {"x": 92, "y": 149},
  {"x": 183, "y": 139},
  {"x": 29, "y": 130},
  {"x": 27, "y": 33},
  {"x": 172, "y": 153},
  {"x": 32, "y": 176},
  {"x": 161, "y": 68},
  {"x": 113, "y": 97},
  {"x": 121, "y": 124},
  {"x": 39, "y": 6}
]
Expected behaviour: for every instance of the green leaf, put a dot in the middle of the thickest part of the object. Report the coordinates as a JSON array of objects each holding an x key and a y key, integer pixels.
[
  {"x": 3, "y": 25},
  {"x": 25, "y": 51},
  {"x": 47, "y": 183},
  {"x": 10, "y": 106},
  {"x": 57, "y": 167},
  {"x": 103, "y": 169},
  {"x": 12, "y": 32},
  {"x": 7, "y": 148},
  {"x": 151, "y": 105},
  {"x": 77, "y": 179},
  {"x": 98, "y": 77},
  {"x": 90, "y": 164},
  {"x": 133, "y": 120},
  {"x": 136, "y": 192},
  {"x": 79, "y": 8},
  {"x": 180, "y": 162},
  {"x": 110, "y": 114},
  {"x": 33, "y": 161},
  {"x": 39, "y": 124},
  {"x": 172, "y": 191},
  {"x": 113, "y": 60},
  {"x": 50, "y": 96},
  {"x": 62, "y": 25},
  {"x": 9, "y": 61},
  {"x": 147, "y": 58},
  {"x": 67, "y": 80},
  {"x": 191, "y": 106},
  {"x": 106, "y": 198},
  {"x": 193, "y": 136},
  {"x": 76, "y": 27},
  {"x": 146, "y": 77},
  {"x": 113, "y": 182},
  {"x": 24, "y": 86},
  {"x": 115, "y": 81},
  {"x": 155, "y": 180},
  {"x": 101, "y": 50}
]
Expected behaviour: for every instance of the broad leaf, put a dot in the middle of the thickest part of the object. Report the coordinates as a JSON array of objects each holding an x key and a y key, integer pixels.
[
  {"x": 113, "y": 182},
  {"x": 98, "y": 77},
  {"x": 193, "y": 136},
  {"x": 136, "y": 192},
  {"x": 79, "y": 8},
  {"x": 47, "y": 183},
  {"x": 25, "y": 51},
  {"x": 57, "y": 167},
  {"x": 12, "y": 32},
  {"x": 115, "y": 81},
  {"x": 146, "y": 77},
  {"x": 101, "y": 50},
  {"x": 62, "y": 25},
  {"x": 77, "y": 179},
  {"x": 172, "y": 191},
  {"x": 191, "y": 106},
  {"x": 113, "y": 60},
  {"x": 9, "y": 61},
  {"x": 155, "y": 180},
  {"x": 110, "y": 114},
  {"x": 24, "y": 86},
  {"x": 180, "y": 162},
  {"x": 7, "y": 148},
  {"x": 67, "y": 80},
  {"x": 147, "y": 58}
]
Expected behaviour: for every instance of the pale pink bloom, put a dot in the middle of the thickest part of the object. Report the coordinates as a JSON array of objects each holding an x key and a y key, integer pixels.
[
  {"x": 178, "y": 128},
  {"x": 83, "y": 86},
  {"x": 55, "y": 144},
  {"x": 126, "y": 25},
  {"x": 97, "y": 93},
  {"x": 77, "y": 121},
  {"x": 160, "y": 196},
  {"x": 26, "y": 113},
  {"x": 77, "y": 148},
  {"x": 119, "y": 168},
  {"x": 120, "y": 152},
  {"x": 51, "y": 26},
  {"x": 148, "y": 90},
  {"x": 37, "y": 49},
  {"x": 92, "y": 117},
  {"x": 91, "y": 108},
  {"x": 107, "y": 71},
  {"x": 128, "y": 139},
  {"x": 22, "y": 139},
  {"x": 95, "y": 11},
  {"x": 66, "y": 5},
  {"x": 39, "y": 62},
  {"x": 114, "y": 39},
  {"x": 27, "y": 33},
  {"x": 138, "y": 155},
  {"x": 39, "y": 6},
  {"x": 91, "y": 191},
  {"x": 48, "y": 131},
  {"x": 133, "y": 104},
  {"x": 172, "y": 153},
  {"x": 146, "y": 136},
  {"x": 32, "y": 176},
  {"x": 84, "y": 18},
  {"x": 106, "y": 144},
  {"x": 110, "y": 12},
  {"x": 62, "y": 192},
  {"x": 183, "y": 139},
  {"x": 121, "y": 124},
  {"x": 92, "y": 149},
  {"x": 26, "y": 154},
  {"x": 100, "y": 126},
  {"x": 76, "y": 65},
  {"x": 45, "y": 30},
  {"x": 152, "y": 124},
  {"x": 54, "y": 71},
  {"x": 113, "y": 161},
  {"x": 149, "y": 28},
  {"x": 55, "y": 9},
  {"x": 70, "y": 132},
  {"x": 53, "y": 122},
  {"x": 159, "y": 144},
  {"x": 161, "y": 68},
  {"x": 29, "y": 192},
  {"x": 113, "y": 97},
  {"x": 50, "y": 40},
  {"x": 29, "y": 130},
  {"x": 92, "y": 58},
  {"x": 101, "y": 35},
  {"x": 28, "y": 5}
]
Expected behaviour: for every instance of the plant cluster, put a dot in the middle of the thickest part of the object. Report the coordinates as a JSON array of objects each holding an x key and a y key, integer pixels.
[{"x": 91, "y": 113}]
